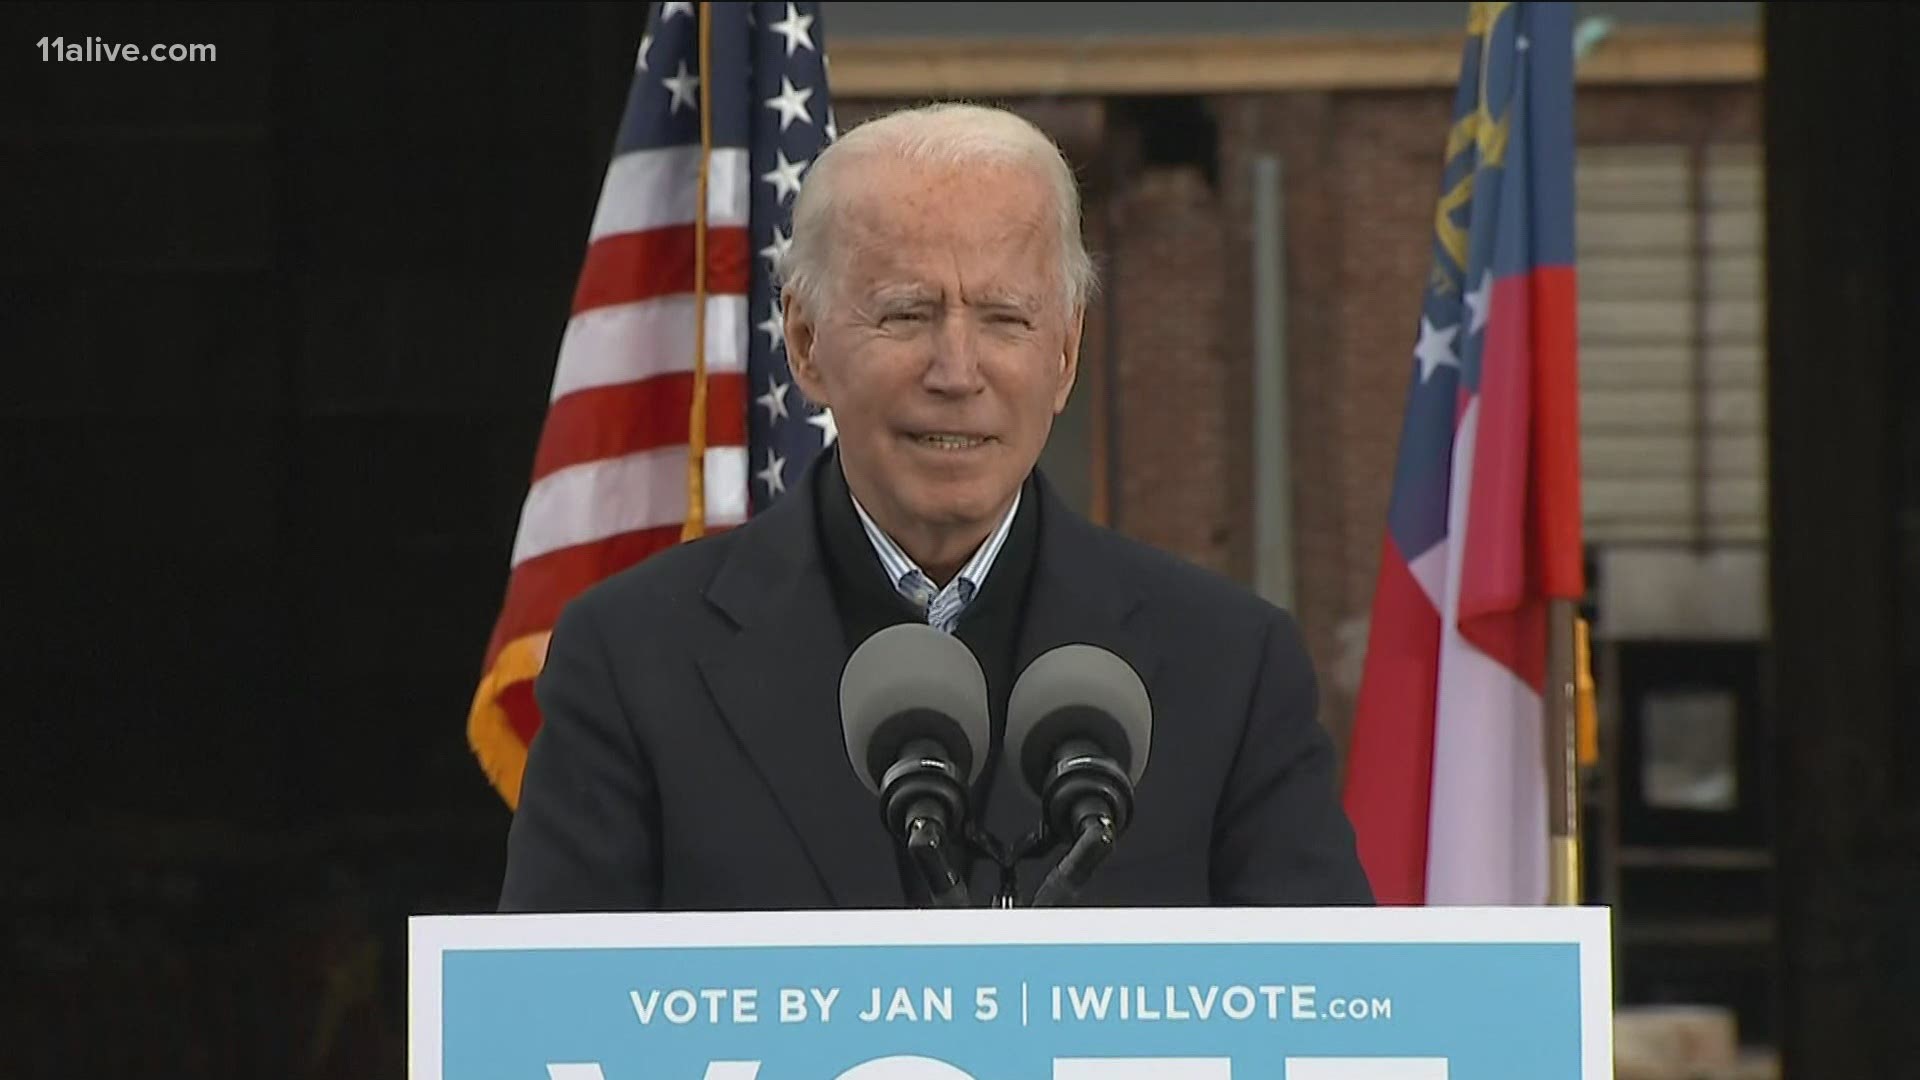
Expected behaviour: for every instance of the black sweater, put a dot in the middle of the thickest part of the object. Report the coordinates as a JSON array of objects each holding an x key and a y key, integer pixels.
[{"x": 867, "y": 603}]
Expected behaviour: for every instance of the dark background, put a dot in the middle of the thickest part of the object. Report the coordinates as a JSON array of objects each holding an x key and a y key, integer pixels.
[
  {"x": 278, "y": 334},
  {"x": 277, "y": 331},
  {"x": 1843, "y": 276}
]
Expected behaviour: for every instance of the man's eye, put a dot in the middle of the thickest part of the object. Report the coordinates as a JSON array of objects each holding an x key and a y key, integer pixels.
[{"x": 902, "y": 317}]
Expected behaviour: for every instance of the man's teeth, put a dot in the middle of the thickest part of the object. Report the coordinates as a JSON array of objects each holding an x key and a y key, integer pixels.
[{"x": 951, "y": 442}]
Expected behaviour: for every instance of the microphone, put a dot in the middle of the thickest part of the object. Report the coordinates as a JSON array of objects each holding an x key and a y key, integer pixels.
[
  {"x": 1079, "y": 726},
  {"x": 913, "y": 709}
]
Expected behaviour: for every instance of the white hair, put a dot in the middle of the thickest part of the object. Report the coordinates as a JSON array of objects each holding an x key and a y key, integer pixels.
[{"x": 947, "y": 135}]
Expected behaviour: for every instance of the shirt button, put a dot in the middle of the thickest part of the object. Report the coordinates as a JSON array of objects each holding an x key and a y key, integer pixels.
[{"x": 919, "y": 590}]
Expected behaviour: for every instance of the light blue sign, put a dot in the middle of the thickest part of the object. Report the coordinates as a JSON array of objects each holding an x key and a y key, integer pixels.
[{"x": 1347, "y": 994}]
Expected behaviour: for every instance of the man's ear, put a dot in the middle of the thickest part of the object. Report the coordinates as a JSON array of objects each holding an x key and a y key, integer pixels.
[
  {"x": 1069, "y": 360},
  {"x": 798, "y": 328}
]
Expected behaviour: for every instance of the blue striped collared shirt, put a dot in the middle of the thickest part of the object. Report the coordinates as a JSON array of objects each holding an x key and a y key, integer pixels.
[{"x": 942, "y": 606}]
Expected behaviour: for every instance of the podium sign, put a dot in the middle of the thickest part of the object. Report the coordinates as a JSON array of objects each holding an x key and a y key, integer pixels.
[{"x": 1062, "y": 994}]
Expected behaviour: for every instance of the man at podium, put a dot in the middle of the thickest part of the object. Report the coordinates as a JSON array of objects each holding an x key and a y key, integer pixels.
[{"x": 691, "y": 754}]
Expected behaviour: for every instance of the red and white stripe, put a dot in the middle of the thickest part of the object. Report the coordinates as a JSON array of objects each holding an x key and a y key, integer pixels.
[
  {"x": 1453, "y": 793},
  {"x": 610, "y": 479},
  {"x": 1487, "y": 821},
  {"x": 1509, "y": 554}
]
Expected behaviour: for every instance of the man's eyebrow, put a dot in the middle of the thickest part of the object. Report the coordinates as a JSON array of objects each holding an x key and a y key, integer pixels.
[
  {"x": 1007, "y": 298},
  {"x": 902, "y": 292}
]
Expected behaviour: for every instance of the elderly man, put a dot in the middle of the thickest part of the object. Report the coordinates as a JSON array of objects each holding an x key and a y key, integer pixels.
[{"x": 691, "y": 755}]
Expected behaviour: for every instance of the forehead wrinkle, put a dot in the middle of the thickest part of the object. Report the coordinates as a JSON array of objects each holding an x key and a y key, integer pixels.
[{"x": 903, "y": 254}]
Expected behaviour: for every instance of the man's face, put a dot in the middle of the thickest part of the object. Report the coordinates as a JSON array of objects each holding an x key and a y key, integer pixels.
[{"x": 946, "y": 348}]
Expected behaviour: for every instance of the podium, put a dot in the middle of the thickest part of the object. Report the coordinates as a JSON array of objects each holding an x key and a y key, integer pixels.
[{"x": 1055, "y": 994}]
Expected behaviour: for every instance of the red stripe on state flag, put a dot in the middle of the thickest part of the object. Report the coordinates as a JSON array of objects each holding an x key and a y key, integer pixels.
[
  {"x": 1503, "y": 577},
  {"x": 1390, "y": 757},
  {"x": 1556, "y": 447},
  {"x": 614, "y": 421},
  {"x": 628, "y": 267}
]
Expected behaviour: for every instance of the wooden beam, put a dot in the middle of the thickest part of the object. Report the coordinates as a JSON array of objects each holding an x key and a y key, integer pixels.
[{"x": 897, "y": 68}]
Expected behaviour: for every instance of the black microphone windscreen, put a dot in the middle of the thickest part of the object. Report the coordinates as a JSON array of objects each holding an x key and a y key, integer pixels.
[
  {"x": 908, "y": 682},
  {"x": 1078, "y": 692}
]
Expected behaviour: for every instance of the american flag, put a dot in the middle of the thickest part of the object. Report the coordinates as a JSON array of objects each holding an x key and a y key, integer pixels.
[
  {"x": 1447, "y": 779},
  {"x": 672, "y": 413}
]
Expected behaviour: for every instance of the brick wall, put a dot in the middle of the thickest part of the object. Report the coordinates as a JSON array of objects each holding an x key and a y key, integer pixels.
[
  {"x": 1360, "y": 173},
  {"x": 1173, "y": 450},
  {"x": 1360, "y": 179}
]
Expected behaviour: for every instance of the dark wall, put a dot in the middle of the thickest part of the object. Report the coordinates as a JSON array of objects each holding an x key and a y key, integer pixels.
[
  {"x": 277, "y": 332},
  {"x": 1054, "y": 18},
  {"x": 1843, "y": 99}
]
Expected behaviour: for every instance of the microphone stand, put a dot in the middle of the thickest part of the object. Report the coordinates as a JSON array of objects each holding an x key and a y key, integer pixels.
[
  {"x": 1090, "y": 798},
  {"x": 926, "y": 848},
  {"x": 921, "y": 797},
  {"x": 1007, "y": 897},
  {"x": 1094, "y": 840},
  {"x": 1076, "y": 868}
]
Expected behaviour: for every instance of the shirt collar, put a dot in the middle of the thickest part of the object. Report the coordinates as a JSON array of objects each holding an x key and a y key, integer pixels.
[{"x": 901, "y": 569}]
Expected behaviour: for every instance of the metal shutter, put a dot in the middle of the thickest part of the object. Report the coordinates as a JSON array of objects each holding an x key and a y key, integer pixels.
[{"x": 1669, "y": 244}]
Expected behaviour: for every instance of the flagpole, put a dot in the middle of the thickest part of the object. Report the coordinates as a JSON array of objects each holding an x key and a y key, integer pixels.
[
  {"x": 695, "y": 525},
  {"x": 1562, "y": 700}
]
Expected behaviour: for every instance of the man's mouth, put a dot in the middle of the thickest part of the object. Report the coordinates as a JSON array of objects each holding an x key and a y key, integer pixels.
[{"x": 949, "y": 441}]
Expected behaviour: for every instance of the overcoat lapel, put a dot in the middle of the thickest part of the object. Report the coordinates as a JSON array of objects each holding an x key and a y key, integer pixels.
[
  {"x": 1077, "y": 596},
  {"x": 776, "y": 683}
]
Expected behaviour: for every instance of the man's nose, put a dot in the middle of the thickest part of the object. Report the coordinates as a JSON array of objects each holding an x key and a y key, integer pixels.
[{"x": 955, "y": 366}]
